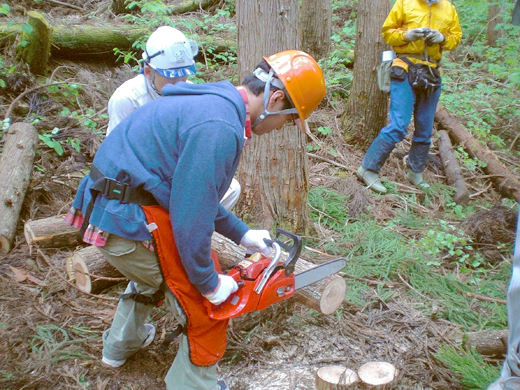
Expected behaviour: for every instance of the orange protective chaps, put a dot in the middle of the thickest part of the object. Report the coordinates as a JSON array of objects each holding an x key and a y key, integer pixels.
[{"x": 206, "y": 336}]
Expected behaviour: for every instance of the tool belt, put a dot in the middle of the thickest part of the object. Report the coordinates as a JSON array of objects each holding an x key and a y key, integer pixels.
[
  {"x": 206, "y": 336},
  {"x": 113, "y": 189},
  {"x": 422, "y": 77}
]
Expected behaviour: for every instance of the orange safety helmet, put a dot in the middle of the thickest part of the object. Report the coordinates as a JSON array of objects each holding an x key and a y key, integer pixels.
[{"x": 302, "y": 78}]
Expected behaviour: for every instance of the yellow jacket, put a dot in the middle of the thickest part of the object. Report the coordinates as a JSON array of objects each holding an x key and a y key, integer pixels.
[{"x": 408, "y": 14}]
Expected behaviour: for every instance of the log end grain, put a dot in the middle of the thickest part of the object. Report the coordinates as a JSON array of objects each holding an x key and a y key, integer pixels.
[
  {"x": 377, "y": 374},
  {"x": 333, "y": 295},
  {"x": 80, "y": 269},
  {"x": 335, "y": 377}
]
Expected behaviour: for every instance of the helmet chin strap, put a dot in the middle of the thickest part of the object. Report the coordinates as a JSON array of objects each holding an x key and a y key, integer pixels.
[
  {"x": 152, "y": 81},
  {"x": 269, "y": 79}
]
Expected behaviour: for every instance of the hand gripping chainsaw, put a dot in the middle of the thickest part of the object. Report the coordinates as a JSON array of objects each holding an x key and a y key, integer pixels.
[{"x": 263, "y": 281}]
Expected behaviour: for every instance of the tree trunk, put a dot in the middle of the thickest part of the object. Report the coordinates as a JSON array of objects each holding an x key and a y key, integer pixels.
[
  {"x": 502, "y": 178},
  {"x": 273, "y": 170},
  {"x": 452, "y": 169},
  {"x": 335, "y": 378},
  {"x": 16, "y": 165},
  {"x": 315, "y": 27},
  {"x": 492, "y": 34},
  {"x": 367, "y": 106}
]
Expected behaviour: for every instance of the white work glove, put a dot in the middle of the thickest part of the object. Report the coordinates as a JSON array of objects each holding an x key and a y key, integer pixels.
[
  {"x": 253, "y": 241},
  {"x": 414, "y": 34},
  {"x": 434, "y": 36},
  {"x": 226, "y": 286}
]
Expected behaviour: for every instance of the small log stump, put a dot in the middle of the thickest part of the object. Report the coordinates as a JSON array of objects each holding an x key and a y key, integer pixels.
[
  {"x": 16, "y": 166},
  {"x": 377, "y": 375},
  {"x": 335, "y": 378}
]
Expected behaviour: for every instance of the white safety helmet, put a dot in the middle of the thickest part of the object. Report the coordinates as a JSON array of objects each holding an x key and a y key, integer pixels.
[{"x": 170, "y": 53}]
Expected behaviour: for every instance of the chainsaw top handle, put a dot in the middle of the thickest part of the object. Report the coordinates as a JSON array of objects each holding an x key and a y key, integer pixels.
[{"x": 294, "y": 249}]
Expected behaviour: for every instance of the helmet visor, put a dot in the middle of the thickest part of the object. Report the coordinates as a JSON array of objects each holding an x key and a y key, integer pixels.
[{"x": 177, "y": 72}]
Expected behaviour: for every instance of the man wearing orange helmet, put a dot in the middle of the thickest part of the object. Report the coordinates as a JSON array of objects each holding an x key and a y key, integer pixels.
[{"x": 152, "y": 207}]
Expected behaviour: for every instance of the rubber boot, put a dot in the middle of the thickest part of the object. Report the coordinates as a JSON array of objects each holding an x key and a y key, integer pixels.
[
  {"x": 417, "y": 180},
  {"x": 371, "y": 179}
]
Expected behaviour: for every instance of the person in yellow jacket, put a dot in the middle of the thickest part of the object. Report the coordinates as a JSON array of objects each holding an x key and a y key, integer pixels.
[{"x": 418, "y": 31}]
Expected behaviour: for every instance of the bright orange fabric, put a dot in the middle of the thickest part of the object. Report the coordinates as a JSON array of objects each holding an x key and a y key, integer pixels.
[{"x": 206, "y": 336}]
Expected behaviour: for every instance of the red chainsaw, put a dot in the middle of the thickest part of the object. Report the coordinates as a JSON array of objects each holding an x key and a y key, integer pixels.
[{"x": 263, "y": 281}]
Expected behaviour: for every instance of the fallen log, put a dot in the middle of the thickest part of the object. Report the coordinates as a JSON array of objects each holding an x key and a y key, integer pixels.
[
  {"x": 120, "y": 6},
  {"x": 452, "y": 169},
  {"x": 16, "y": 166},
  {"x": 491, "y": 343},
  {"x": 325, "y": 296},
  {"x": 335, "y": 378},
  {"x": 99, "y": 41},
  {"x": 91, "y": 272},
  {"x": 506, "y": 183}
]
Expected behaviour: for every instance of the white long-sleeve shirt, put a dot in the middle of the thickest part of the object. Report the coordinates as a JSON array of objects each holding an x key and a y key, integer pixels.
[{"x": 127, "y": 97}]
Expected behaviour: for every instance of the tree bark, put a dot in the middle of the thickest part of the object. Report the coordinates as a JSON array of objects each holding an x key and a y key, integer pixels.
[
  {"x": 52, "y": 232},
  {"x": 366, "y": 111},
  {"x": 488, "y": 342},
  {"x": 335, "y": 378},
  {"x": 273, "y": 170},
  {"x": 492, "y": 34},
  {"x": 315, "y": 27},
  {"x": 16, "y": 165},
  {"x": 502, "y": 178},
  {"x": 452, "y": 169}
]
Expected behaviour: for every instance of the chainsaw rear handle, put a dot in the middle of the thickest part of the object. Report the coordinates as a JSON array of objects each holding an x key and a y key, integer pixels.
[{"x": 293, "y": 249}]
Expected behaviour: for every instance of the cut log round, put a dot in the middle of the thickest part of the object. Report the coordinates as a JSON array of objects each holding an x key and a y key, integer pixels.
[
  {"x": 51, "y": 232},
  {"x": 16, "y": 166},
  {"x": 335, "y": 378},
  {"x": 377, "y": 375},
  {"x": 91, "y": 271}
]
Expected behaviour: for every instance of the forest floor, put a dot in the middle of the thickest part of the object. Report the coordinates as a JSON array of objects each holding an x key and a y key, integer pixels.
[{"x": 50, "y": 332}]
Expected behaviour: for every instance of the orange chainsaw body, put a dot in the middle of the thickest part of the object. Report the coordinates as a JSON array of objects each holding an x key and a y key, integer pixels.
[{"x": 248, "y": 274}]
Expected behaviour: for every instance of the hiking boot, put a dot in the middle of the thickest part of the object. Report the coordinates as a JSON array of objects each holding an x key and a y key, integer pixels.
[
  {"x": 114, "y": 363},
  {"x": 417, "y": 180},
  {"x": 221, "y": 385},
  {"x": 371, "y": 179},
  {"x": 511, "y": 383}
]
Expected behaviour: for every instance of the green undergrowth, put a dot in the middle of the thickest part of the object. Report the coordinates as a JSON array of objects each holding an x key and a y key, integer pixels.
[{"x": 438, "y": 267}]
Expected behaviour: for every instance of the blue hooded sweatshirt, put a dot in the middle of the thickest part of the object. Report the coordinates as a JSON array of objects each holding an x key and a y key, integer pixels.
[{"x": 184, "y": 148}]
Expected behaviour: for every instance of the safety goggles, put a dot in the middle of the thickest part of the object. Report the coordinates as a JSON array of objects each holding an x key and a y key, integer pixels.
[{"x": 177, "y": 52}]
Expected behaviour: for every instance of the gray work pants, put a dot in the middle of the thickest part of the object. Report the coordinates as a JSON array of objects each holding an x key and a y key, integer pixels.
[{"x": 127, "y": 332}]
